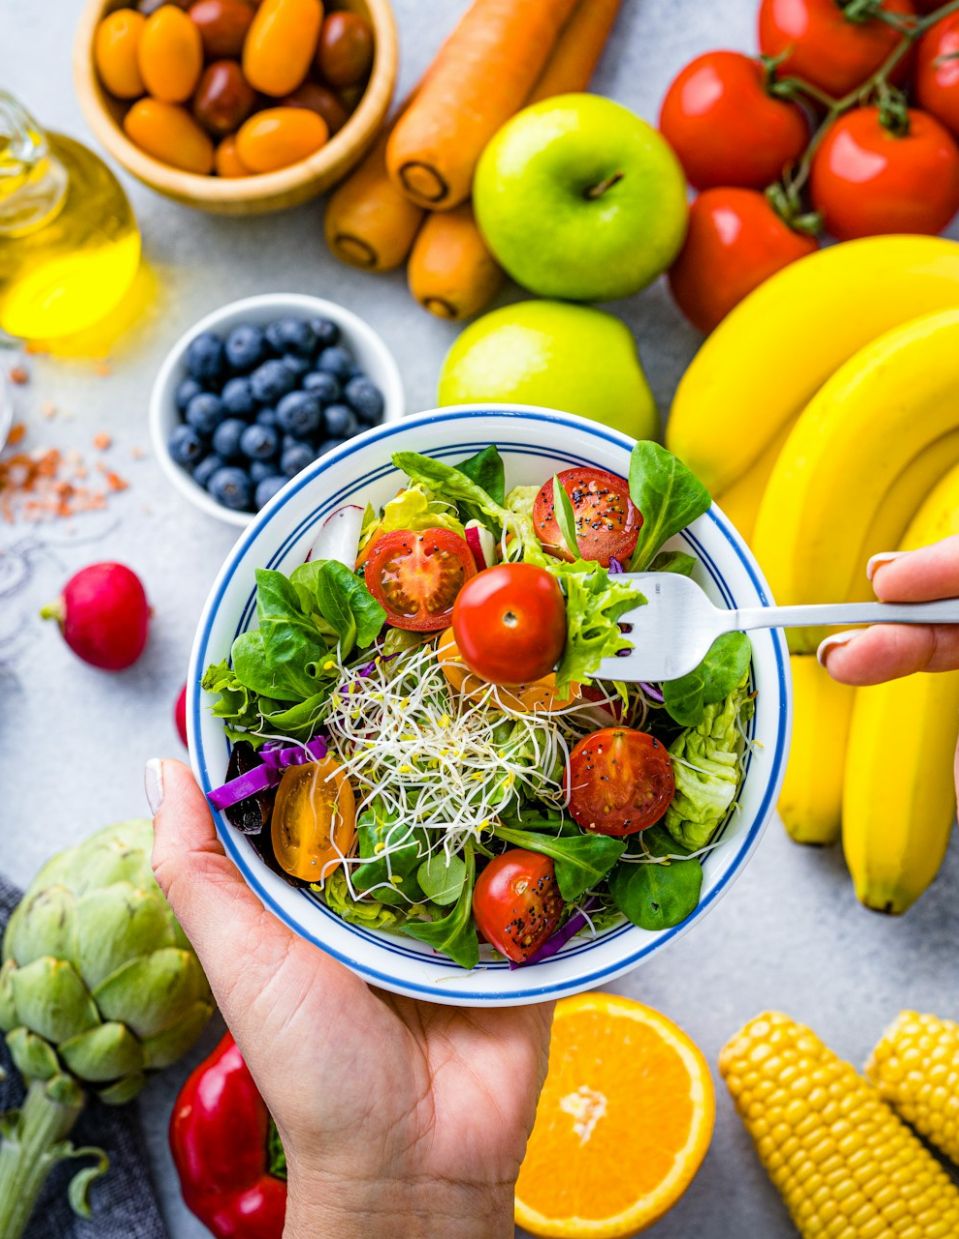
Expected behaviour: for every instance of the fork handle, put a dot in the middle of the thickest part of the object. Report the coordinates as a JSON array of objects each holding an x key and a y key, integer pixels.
[{"x": 944, "y": 611}]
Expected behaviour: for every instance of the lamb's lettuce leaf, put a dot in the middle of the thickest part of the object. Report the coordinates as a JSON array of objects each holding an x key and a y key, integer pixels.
[
  {"x": 668, "y": 496},
  {"x": 657, "y": 895},
  {"x": 580, "y": 860},
  {"x": 713, "y": 680},
  {"x": 454, "y": 934}
]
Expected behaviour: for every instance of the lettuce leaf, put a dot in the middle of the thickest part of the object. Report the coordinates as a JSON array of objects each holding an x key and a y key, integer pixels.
[
  {"x": 668, "y": 495},
  {"x": 724, "y": 666},
  {"x": 413, "y": 508},
  {"x": 369, "y": 912},
  {"x": 595, "y": 601}
]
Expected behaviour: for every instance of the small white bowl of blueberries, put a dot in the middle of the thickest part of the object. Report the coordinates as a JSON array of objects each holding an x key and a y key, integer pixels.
[{"x": 260, "y": 388}]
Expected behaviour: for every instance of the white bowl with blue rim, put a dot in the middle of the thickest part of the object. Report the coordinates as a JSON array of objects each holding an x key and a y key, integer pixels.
[{"x": 534, "y": 443}]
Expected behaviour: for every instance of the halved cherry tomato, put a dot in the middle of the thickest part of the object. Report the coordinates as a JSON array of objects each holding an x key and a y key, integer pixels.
[
  {"x": 734, "y": 241},
  {"x": 416, "y": 577},
  {"x": 619, "y": 781},
  {"x": 725, "y": 126},
  {"x": 510, "y": 623},
  {"x": 867, "y": 180},
  {"x": 937, "y": 72},
  {"x": 534, "y": 697},
  {"x": 314, "y": 819},
  {"x": 516, "y": 903},
  {"x": 825, "y": 46},
  {"x": 607, "y": 520}
]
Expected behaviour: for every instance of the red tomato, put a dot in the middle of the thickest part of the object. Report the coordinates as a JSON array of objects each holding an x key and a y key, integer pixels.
[
  {"x": 724, "y": 125},
  {"x": 607, "y": 520},
  {"x": 510, "y": 623},
  {"x": 516, "y": 903},
  {"x": 937, "y": 72},
  {"x": 867, "y": 180},
  {"x": 824, "y": 46},
  {"x": 415, "y": 577},
  {"x": 619, "y": 781},
  {"x": 734, "y": 241}
]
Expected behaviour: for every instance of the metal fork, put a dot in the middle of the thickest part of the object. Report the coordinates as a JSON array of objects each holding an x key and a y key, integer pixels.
[{"x": 672, "y": 633}]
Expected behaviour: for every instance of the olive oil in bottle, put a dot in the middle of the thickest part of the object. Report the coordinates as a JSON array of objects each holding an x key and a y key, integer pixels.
[{"x": 69, "y": 243}]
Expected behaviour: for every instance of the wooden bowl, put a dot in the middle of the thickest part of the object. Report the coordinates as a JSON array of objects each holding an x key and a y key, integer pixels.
[{"x": 247, "y": 195}]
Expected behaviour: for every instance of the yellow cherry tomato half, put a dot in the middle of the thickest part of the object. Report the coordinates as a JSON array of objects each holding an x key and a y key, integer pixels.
[
  {"x": 314, "y": 819},
  {"x": 539, "y": 696}
]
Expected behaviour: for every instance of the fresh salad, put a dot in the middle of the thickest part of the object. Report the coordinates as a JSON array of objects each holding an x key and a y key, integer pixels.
[{"x": 417, "y": 737}]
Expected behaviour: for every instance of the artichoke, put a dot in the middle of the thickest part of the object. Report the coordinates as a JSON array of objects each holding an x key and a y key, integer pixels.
[{"x": 98, "y": 986}]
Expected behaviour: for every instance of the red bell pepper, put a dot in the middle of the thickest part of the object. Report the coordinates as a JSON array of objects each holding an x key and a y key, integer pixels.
[{"x": 226, "y": 1150}]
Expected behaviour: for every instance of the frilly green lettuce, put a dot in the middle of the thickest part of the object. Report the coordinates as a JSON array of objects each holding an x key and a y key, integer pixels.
[
  {"x": 708, "y": 769},
  {"x": 413, "y": 509},
  {"x": 367, "y": 912}
]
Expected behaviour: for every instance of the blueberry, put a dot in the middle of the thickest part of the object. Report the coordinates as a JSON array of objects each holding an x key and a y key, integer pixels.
[
  {"x": 204, "y": 413},
  {"x": 186, "y": 446},
  {"x": 266, "y": 417},
  {"x": 206, "y": 469},
  {"x": 204, "y": 357},
  {"x": 336, "y": 361},
  {"x": 299, "y": 365},
  {"x": 327, "y": 333},
  {"x": 340, "y": 421},
  {"x": 260, "y": 469},
  {"x": 186, "y": 389},
  {"x": 245, "y": 347},
  {"x": 296, "y": 457},
  {"x": 237, "y": 397},
  {"x": 267, "y": 488},
  {"x": 259, "y": 442},
  {"x": 299, "y": 414},
  {"x": 366, "y": 398},
  {"x": 226, "y": 438},
  {"x": 231, "y": 487},
  {"x": 271, "y": 381},
  {"x": 292, "y": 335},
  {"x": 322, "y": 385}
]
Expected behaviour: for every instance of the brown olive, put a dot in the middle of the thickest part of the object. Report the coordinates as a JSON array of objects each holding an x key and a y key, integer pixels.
[
  {"x": 224, "y": 98},
  {"x": 222, "y": 25},
  {"x": 322, "y": 101},
  {"x": 345, "y": 50}
]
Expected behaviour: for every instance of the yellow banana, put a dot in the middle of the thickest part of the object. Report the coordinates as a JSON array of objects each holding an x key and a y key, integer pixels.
[
  {"x": 899, "y": 798},
  {"x": 766, "y": 359},
  {"x": 742, "y": 500},
  {"x": 885, "y": 406},
  {"x": 810, "y": 803}
]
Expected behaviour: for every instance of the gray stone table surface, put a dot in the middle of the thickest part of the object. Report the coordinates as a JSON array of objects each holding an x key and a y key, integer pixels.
[{"x": 73, "y": 740}]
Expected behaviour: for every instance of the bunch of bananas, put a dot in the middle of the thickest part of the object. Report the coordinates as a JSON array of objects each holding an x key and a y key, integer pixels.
[{"x": 824, "y": 415}]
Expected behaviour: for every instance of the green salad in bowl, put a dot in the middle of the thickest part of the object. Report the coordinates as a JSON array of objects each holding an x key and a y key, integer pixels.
[{"x": 418, "y": 740}]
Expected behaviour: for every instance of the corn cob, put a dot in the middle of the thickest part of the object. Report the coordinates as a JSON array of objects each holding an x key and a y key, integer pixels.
[
  {"x": 845, "y": 1165},
  {"x": 915, "y": 1066}
]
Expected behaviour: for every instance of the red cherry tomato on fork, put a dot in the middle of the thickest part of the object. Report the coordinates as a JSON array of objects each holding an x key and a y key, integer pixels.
[
  {"x": 415, "y": 577},
  {"x": 867, "y": 180},
  {"x": 619, "y": 781},
  {"x": 937, "y": 72},
  {"x": 734, "y": 241},
  {"x": 607, "y": 520},
  {"x": 725, "y": 126},
  {"x": 516, "y": 903},
  {"x": 509, "y": 623},
  {"x": 825, "y": 46}
]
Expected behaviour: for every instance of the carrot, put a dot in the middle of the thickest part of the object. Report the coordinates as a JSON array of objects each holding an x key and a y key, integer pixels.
[
  {"x": 480, "y": 77},
  {"x": 369, "y": 223},
  {"x": 578, "y": 49},
  {"x": 451, "y": 271}
]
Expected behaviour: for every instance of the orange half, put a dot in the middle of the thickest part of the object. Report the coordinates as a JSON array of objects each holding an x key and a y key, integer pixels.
[{"x": 623, "y": 1123}]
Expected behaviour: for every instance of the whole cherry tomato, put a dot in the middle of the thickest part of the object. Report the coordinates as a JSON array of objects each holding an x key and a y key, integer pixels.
[
  {"x": 607, "y": 521},
  {"x": 416, "y": 577},
  {"x": 509, "y": 622},
  {"x": 867, "y": 180},
  {"x": 516, "y": 903},
  {"x": 735, "y": 240},
  {"x": 937, "y": 72},
  {"x": 825, "y": 46},
  {"x": 619, "y": 781},
  {"x": 725, "y": 126}
]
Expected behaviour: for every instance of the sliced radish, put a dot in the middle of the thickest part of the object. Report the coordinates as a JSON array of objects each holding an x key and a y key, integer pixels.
[
  {"x": 339, "y": 536},
  {"x": 482, "y": 543}
]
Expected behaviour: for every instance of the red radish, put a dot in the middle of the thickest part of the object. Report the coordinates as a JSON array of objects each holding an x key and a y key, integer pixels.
[
  {"x": 179, "y": 715},
  {"x": 104, "y": 615}
]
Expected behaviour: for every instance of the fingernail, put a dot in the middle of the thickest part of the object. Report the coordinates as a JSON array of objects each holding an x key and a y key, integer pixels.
[
  {"x": 153, "y": 784},
  {"x": 881, "y": 557},
  {"x": 840, "y": 638}
]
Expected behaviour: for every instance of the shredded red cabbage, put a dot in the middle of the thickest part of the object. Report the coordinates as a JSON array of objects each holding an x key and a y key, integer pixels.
[
  {"x": 276, "y": 758},
  {"x": 652, "y": 690},
  {"x": 615, "y": 566},
  {"x": 553, "y": 946}
]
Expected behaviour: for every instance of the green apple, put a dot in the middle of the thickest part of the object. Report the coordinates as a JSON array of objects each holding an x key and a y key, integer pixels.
[
  {"x": 557, "y": 355},
  {"x": 579, "y": 198}
]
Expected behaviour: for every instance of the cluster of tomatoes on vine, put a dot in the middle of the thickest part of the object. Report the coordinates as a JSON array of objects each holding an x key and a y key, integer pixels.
[{"x": 847, "y": 123}]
